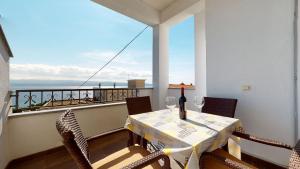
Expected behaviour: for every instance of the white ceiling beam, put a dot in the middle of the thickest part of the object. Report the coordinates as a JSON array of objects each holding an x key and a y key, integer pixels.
[
  {"x": 135, "y": 9},
  {"x": 180, "y": 10}
]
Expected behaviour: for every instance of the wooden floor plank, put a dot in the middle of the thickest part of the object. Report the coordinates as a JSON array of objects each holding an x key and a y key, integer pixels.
[{"x": 99, "y": 148}]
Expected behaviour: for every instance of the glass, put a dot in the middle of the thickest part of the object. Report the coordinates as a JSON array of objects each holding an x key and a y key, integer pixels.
[
  {"x": 199, "y": 102},
  {"x": 171, "y": 103}
]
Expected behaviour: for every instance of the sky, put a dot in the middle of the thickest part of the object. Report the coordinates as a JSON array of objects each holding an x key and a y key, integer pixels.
[{"x": 71, "y": 39}]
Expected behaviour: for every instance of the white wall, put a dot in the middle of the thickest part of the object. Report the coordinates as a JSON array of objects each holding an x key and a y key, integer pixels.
[
  {"x": 200, "y": 52},
  {"x": 297, "y": 52},
  {"x": 4, "y": 79},
  {"x": 29, "y": 134},
  {"x": 250, "y": 42},
  {"x": 147, "y": 92},
  {"x": 4, "y": 106}
]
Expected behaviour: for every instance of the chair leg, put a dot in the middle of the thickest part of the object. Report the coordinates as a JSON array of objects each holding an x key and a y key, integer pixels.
[
  {"x": 138, "y": 139},
  {"x": 131, "y": 139},
  {"x": 144, "y": 143},
  {"x": 134, "y": 138},
  {"x": 225, "y": 147}
]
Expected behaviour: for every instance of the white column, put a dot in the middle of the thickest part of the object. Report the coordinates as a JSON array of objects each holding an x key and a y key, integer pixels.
[
  {"x": 160, "y": 65},
  {"x": 297, "y": 70},
  {"x": 200, "y": 54}
]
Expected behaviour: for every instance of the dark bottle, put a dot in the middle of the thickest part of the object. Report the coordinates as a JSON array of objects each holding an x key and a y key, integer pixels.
[{"x": 182, "y": 100}]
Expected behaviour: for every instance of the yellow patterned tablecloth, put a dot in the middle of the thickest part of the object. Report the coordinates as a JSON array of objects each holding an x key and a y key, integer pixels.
[{"x": 183, "y": 140}]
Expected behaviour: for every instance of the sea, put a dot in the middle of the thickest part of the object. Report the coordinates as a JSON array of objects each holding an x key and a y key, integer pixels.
[{"x": 38, "y": 98}]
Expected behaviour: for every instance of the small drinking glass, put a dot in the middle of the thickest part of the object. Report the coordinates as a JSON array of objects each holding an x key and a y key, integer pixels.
[
  {"x": 199, "y": 102},
  {"x": 171, "y": 103}
]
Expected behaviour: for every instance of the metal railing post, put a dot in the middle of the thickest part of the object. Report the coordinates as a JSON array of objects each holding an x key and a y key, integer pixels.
[
  {"x": 62, "y": 97},
  {"x": 17, "y": 100},
  {"x": 30, "y": 97},
  {"x": 52, "y": 98},
  {"x": 42, "y": 95}
]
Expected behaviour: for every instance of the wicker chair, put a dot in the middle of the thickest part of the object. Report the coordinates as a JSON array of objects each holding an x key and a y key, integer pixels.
[
  {"x": 77, "y": 146},
  {"x": 138, "y": 105},
  {"x": 220, "y": 159},
  {"x": 219, "y": 106}
]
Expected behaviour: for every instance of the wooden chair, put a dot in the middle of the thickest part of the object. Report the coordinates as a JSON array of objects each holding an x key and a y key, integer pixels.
[
  {"x": 220, "y": 159},
  {"x": 219, "y": 106},
  {"x": 77, "y": 146},
  {"x": 138, "y": 105}
]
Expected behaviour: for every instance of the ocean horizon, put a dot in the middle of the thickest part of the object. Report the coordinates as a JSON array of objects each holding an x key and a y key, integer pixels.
[
  {"x": 38, "y": 84},
  {"x": 64, "y": 84}
]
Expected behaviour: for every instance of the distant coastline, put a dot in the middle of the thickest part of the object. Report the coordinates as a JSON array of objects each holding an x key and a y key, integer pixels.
[{"x": 59, "y": 84}]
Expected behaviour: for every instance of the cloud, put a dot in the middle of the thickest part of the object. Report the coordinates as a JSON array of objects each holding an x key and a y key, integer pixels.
[
  {"x": 63, "y": 72},
  {"x": 127, "y": 57}
]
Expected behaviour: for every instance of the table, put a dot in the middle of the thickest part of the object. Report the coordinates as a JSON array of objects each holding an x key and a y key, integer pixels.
[{"x": 183, "y": 140}]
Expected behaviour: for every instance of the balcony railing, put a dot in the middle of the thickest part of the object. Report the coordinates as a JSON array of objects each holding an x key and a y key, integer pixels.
[{"x": 40, "y": 99}]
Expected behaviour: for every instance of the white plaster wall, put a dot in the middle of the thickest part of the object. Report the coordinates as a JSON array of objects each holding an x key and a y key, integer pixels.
[
  {"x": 4, "y": 87},
  {"x": 250, "y": 42},
  {"x": 147, "y": 92},
  {"x": 29, "y": 134},
  {"x": 4, "y": 79},
  {"x": 4, "y": 155},
  {"x": 200, "y": 52},
  {"x": 297, "y": 52}
]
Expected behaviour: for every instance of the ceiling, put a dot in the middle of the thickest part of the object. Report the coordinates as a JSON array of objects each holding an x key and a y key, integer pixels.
[
  {"x": 158, "y": 4},
  {"x": 154, "y": 12}
]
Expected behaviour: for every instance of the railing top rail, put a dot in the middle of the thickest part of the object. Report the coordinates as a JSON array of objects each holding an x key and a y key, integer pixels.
[
  {"x": 38, "y": 99},
  {"x": 39, "y": 90}
]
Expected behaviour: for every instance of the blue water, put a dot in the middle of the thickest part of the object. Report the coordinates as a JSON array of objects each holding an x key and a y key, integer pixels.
[{"x": 37, "y": 97}]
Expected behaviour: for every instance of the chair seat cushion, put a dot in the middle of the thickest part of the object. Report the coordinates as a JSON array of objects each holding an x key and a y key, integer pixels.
[
  {"x": 124, "y": 157},
  {"x": 212, "y": 163}
]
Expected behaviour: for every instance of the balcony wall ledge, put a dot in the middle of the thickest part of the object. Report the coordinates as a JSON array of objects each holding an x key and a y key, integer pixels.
[
  {"x": 12, "y": 115},
  {"x": 177, "y": 88}
]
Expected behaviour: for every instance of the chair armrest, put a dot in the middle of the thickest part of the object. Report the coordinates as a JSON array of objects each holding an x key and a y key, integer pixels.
[
  {"x": 151, "y": 158},
  {"x": 242, "y": 134},
  {"x": 295, "y": 157},
  {"x": 225, "y": 161},
  {"x": 153, "y": 146}
]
